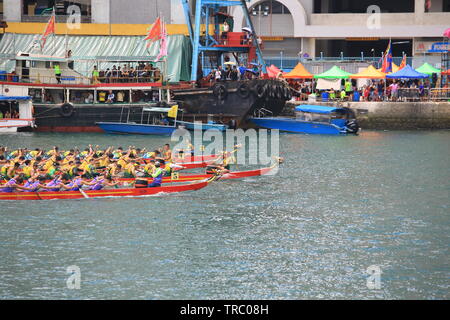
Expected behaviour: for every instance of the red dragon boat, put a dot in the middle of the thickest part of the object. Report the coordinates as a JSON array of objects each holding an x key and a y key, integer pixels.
[
  {"x": 197, "y": 177},
  {"x": 111, "y": 193}
]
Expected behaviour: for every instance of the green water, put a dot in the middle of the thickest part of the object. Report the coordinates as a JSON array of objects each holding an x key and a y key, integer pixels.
[{"x": 337, "y": 206}]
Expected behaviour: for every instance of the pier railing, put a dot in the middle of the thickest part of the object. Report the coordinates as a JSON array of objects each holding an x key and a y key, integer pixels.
[{"x": 440, "y": 94}]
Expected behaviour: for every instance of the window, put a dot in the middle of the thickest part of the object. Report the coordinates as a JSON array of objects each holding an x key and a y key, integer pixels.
[
  {"x": 360, "y": 6},
  {"x": 271, "y": 6},
  {"x": 43, "y": 8},
  {"x": 1, "y": 7},
  {"x": 446, "y": 5}
]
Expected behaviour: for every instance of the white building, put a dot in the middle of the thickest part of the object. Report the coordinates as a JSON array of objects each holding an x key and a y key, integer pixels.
[
  {"x": 290, "y": 28},
  {"x": 351, "y": 28}
]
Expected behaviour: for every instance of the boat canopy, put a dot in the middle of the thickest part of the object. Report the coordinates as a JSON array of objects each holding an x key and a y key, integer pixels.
[
  {"x": 161, "y": 110},
  {"x": 317, "y": 109},
  {"x": 88, "y": 51},
  {"x": 11, "y": 98}
]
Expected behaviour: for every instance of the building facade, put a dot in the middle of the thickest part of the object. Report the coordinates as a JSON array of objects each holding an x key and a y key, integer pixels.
[
  {"x": 349, "y": 28},
  {"x": 303, "y": 29}
]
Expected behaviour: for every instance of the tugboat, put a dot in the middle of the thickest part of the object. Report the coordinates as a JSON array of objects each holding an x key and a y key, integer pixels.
[{"x": 232, "y": 100}]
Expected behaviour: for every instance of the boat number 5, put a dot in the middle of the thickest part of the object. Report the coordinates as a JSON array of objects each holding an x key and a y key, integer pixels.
[{"x": 175, "y": 176}]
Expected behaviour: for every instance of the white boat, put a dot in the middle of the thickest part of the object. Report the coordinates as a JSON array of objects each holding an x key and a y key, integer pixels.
[{"x": 18, "y": 101}]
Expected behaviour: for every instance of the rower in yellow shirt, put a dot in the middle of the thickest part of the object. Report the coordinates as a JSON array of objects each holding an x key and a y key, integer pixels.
[{"x": 149, "y": 168}]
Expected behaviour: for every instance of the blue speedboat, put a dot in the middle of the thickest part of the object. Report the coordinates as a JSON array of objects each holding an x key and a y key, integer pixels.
[
  {"x": 135, "y": 128},
  {"x": 312, "y": 119},
  {"x": 153, "y": 122}
]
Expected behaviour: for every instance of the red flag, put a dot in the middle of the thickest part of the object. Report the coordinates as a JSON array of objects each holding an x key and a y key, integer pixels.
[
  {"x": 154, "y": 33},
  {"x": 49, "y": 29}
]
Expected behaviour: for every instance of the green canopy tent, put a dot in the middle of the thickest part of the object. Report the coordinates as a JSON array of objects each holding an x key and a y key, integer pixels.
[
  {"x": 333, "y": 73},
  {"x": 428, "y": 69}
]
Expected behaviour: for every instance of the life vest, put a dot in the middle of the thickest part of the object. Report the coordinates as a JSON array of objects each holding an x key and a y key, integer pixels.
[
  {"x": 27, "y": 171},
  {"x": 75, "y": 185},
  {"x": 9, "y": 189},
  {"x": 57, "y": 69},
  {"x": 34, "y": 186},
  {"x": 158, "y": 176},
  {"x": 102, "y": 96},
  {"x": 53, "y": 183},
  {"x": 98, "y": 185}
]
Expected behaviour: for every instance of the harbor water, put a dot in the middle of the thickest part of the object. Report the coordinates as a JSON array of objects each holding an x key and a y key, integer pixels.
[{"x": 338, "y": 206}]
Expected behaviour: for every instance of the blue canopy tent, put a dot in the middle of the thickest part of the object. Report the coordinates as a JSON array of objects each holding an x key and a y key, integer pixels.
[
  {"x": 317, "y": 109},
  {"x": 407, "y": 73}
]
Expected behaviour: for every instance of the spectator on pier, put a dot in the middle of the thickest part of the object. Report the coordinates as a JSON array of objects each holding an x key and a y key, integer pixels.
[
  {"x": 217, "y": 75},
  {"x": 234, "y": 74},
  {"x": 108, "y": 75},
  {"x": 111, "y": 97},
  {"x": 57, "y": 69},
  {"x": 95, "y": 75}
]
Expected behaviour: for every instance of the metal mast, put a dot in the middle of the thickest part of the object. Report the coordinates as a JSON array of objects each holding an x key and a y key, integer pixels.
[{"x": 207, "y": 43}]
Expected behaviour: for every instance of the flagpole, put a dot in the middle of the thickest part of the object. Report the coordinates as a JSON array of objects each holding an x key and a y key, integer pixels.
[
  {"x": 165, "y": 62},
  {"x": 54, "y": 34}
]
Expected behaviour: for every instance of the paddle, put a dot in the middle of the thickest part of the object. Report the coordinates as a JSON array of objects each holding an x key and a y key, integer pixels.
[{"x": 83, "y": 193}]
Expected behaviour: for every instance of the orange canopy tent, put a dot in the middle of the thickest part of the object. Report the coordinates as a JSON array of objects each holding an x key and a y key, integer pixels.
[
  {"x": 446, "y": 72},
  {"x": 395, "y": 68},
  {"x": 369, "y": 73},
  {"x": 299, "y": 72}
]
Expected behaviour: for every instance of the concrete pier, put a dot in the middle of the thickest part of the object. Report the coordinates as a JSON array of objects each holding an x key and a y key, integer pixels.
[{"x": 391, "y": 115}]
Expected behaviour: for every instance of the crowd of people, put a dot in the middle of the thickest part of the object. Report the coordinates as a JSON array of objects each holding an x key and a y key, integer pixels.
[
  {"x": 232, "y": 73},
  {"x": 143, "y": 72},
  {"x": 374, "y": 91},
  {"x": 9, "y": 114},
  {"x": 93, "y": 168}
]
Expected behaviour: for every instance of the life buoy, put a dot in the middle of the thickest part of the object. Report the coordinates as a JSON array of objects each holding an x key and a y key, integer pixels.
[
  {"x": 287, "y": 93},
  {"x": 259, "y": 90},
  {"x": 67, "y": 110},
  {"x": 273, "y": 91},
  {"x": 220, "y": 91},
  {"x": 243, "y": 90},
  {"x": 280, "y": 93}
]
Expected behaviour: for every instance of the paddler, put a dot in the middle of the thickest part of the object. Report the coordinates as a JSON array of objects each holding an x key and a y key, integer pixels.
[
  {"x": 167, "y": 152},
  {"x": 157, "y": 176},
  {"x": 12, "y": 184},
  {"x": 149, "y": 168},
  {"x": 56, "y": 184},
  {"x": 219, "y": 168},
  {"x": 100, "y": 182},
  {"x": 52, "y": 170},
  {"x": 75, "y": 184},
  {"x": 10, "y": 171},
  {"x": 130, "y": 170},
  {"x": 113, "y": 170},
  {"x": 33, "y": 184},
  {"x": 27, "y": 170}
]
